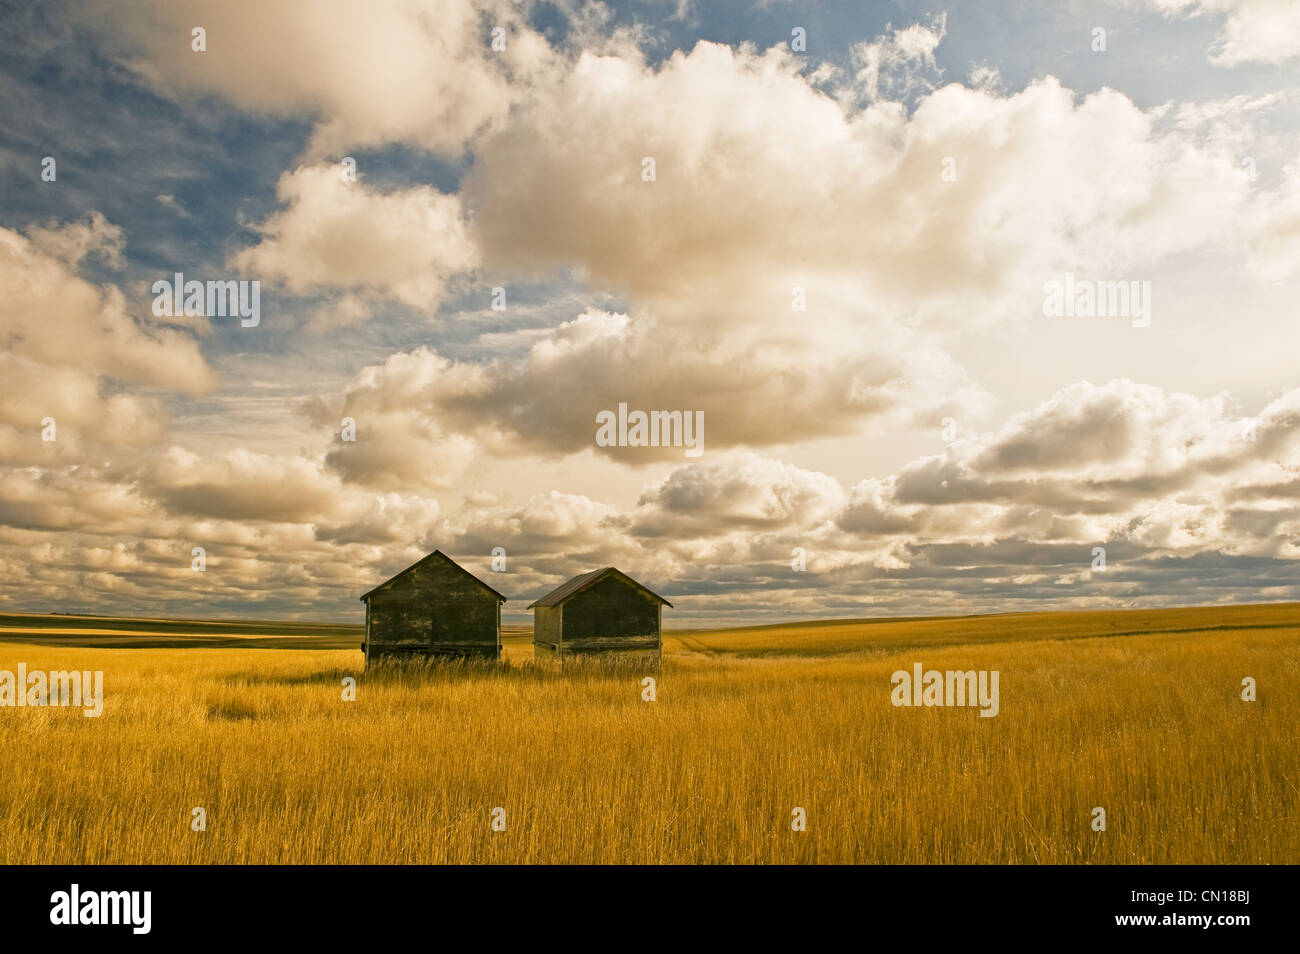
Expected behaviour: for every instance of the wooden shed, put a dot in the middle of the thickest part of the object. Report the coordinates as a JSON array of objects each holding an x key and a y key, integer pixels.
[
  {"x": 433, "y": 608},
  {"x": 599, "y": 612}
]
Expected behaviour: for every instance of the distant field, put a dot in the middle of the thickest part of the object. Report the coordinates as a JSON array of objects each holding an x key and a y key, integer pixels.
[
  {"x": 1137, "y": 712},
  {"x": 124, "y": 632},
  {"x": 886, "y": 635},
  {"x": 811, "y": 638}
]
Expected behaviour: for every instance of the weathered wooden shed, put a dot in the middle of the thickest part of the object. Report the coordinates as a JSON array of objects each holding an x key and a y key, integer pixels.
[
  {"x": 599, "y": 612},
  {"x": 433, "y": 608}
]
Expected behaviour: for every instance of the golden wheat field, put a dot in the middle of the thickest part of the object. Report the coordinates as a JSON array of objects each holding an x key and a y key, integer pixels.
[{"x": 1138, "y": 712}]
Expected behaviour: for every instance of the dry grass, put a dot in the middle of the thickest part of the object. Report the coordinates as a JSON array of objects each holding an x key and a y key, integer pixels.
[{"x": 1150, "y": 727}]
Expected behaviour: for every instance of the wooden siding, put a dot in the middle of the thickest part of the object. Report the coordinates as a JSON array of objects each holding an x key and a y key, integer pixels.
[
  {"x": 608, "y": 614},
  {"x": 434, "y": 609},
  {"x": 546, "y": 627},
  {"x": 610, "y": 617}
]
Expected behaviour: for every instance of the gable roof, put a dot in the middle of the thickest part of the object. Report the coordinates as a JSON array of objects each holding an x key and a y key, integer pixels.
[
  {"x": 421, "y": 562},
  {"x": 573, "y": 587}
]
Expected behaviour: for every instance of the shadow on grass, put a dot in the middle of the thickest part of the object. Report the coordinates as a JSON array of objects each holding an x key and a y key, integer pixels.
[
  {"x": 423, "y": 670},
  {"x": 328, "y": 677}
]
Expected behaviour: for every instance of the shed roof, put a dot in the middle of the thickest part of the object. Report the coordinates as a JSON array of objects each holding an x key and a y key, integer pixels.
[
  {"x": 573, "y": 587},
  {"x": 420, "y": 562}
]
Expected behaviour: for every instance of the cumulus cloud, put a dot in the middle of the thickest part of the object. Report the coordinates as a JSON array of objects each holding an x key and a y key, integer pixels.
[
  {"x": 69, "y": 346},
  {"x": 401, "y": 440},
  {"x": 901, "y": 62},
  {"x": 1254, "y": 31},
  {"x": 384, "y": 519},
  {"x": 1165, "y": 481},
  {"x": 337, "y": 234},
  {"x": 857, "y": 225},
  {"x": 545, "y": 524},
  {"x": 1117, "y": 431},
  {"x": 747, "y": 493},
  {"x": 71, "y": 242},
  {"x": 242, "y": 485},
  {"x": 1177, "y": 489},
  {"x": 426, "y": 416},
  {"x": 798, "y": 269},
  {"x": 1113, "y": 451},
  {"x": 764, "y": 183},
  {"x": 414, "y": 71},
  {"x": 51, "y": 315}
]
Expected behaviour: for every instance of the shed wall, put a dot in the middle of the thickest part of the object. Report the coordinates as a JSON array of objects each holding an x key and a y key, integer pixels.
[
  {"x": 546, "y": 628},
  {"x": 435, "y": 608},
  {"x": 611, "y": 615}
]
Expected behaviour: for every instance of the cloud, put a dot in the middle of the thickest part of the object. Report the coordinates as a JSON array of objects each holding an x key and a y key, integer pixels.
[
  {"x": 1119, "y": 430},
  {"x": 901, "y": 62},
  {"x": 242, "y": 485},
  {"x": 384, "y": 519},
  {"x": 545, "y": 524},
  {"x": 413, "y": 71},
  {"x": 1254, "y": 31},
  {"x": 53, "y": 316},
  {"x": 1273, "y": 230},
  {"x": 71, "y": 242},
  {"x": 1113, "y": 451},
  {"x": 746, "y": 493},
  {"x": 69, "y": 347},
  {"x": 799, "y": 269},
  {"x": 764, "y": 184},
  {"x": 1185, "y": 504},
  {"x": 402, "y": 441},
  {"x": 336, "y": 234},
  {"x": 1159, "y": 479},
  {"x": 170, "y": 201},
  {"x": 857, "y": 225},
  {"x": 33, "y": 500},
  {"x": 425, "y": 416}
]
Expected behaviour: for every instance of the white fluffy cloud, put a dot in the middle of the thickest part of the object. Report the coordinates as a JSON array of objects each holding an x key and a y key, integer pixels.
[
  {"x": 744, "y": 493},
  {"x": 414, "y": 71},
  {"x": 900, "y": 63},
  {"x": 1254, "y": 31},
  {"x": 338, "y": 234},
  {"x": 69, "y": 346},
  {"x": 764, "y": 184}
]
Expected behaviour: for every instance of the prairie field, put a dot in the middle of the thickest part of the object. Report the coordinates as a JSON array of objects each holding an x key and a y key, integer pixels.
[{"x": 1137, "y": 712}]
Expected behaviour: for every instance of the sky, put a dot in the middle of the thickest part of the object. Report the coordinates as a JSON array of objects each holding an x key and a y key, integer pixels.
[{"x": 842, "y": 235}]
